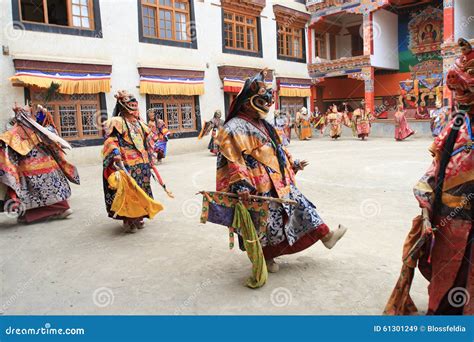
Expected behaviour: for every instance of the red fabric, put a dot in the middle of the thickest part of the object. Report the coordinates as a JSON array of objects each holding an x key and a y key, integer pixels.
[
  {"x": 304, "y": 242},
  {"x": 402, "y": 130},
  {"x": 38, "y": 214},
  {"x": 446, "y": 257}
]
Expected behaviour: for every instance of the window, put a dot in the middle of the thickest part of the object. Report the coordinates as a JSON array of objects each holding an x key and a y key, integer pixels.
[
  {"x": 69, "y": 13},
  {"x": 290, "y": 41},
  {"x": 75, "y": 116},
  {"x": 166, "y": 19},
  {"x": 357, "y": 45},
  {"x": 240, "y": 31},
  {"x": 320, "y": 46},
  {"x": 177, "y": 111}
]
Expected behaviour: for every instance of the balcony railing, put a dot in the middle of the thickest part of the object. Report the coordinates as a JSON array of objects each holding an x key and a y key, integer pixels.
[
  {"x": 318, "y": 4},
  {"x": 338, "y": 67}
]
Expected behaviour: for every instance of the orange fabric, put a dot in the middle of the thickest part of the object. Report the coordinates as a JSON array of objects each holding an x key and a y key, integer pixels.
[
  {"x": 21, "y": 139},
  {"x": 400, "y": 302}
]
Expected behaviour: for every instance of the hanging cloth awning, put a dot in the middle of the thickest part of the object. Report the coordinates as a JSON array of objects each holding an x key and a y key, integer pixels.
[
  {"x": 233, "y": 85},
  {"x": 233, "y": 77},
  {"x": 171, "y": 82},
  {"x": 294, "y": 87},
  {"x": 72, "y": 78}
]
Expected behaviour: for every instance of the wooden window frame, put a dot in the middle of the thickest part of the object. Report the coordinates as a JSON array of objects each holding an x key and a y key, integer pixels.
[
  {"x": 157, "y": 7},
  {"x": 90, "y": 6},
  {"x": 178, "y": 100},
  {"x": 190, "y": 43},
  {"x": 246, "y": 26},
  {"x": 279, "y": 38},
  {"x": 77, "y": 104},
  {"x": 320, "y": 40},
  {"x": 257, "y": 36},
  {"x": 95, "y": 31},
  {"x": 284, "y": 31}
]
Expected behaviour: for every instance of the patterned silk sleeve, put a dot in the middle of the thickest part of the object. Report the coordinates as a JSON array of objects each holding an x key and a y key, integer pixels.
[
  {"x": 110, "y": 150},
  {"x": 295, "y": 163}
]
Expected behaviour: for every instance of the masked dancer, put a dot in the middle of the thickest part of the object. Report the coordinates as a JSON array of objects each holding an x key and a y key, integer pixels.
[
  {"x": 402, "y": 129},
  {"x": 441, "y": 241},
  {"x": 128, "y": 165},
  {"x": 335, "y": 120},
  {"x": 362, "y": 121},
  {"x": 34, "y": 174},
  {"x": 282, "y": 124},
  {"x": 253, "y": 161},
  {"x": 303, "y": 124}
]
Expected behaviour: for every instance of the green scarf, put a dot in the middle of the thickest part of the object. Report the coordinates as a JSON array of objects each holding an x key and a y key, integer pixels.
[{"x": 243, "y": 221}]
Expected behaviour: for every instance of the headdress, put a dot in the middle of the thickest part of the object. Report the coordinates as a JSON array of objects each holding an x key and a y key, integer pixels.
[
  {"x": 125, "y": 102},
  {"x": 255, "y": 93}
]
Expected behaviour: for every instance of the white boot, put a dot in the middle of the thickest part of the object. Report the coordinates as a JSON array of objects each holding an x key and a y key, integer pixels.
[
  {"x": 333, "y": 237},
  {"x": 272, "y": 266}
]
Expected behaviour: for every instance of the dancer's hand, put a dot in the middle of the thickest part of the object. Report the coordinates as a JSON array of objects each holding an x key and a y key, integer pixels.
[
  {"x": 303, "y": 164},
  {"x": 118, "y": 163},
  {"x": 244, "y": 195}
]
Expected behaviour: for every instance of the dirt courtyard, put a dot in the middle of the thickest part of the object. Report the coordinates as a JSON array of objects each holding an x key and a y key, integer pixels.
[{"x": 87, "y": 265}]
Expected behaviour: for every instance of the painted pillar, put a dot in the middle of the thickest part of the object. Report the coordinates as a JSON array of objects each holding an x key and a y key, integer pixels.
[
  {"x": 312, "y": 99},
  {"x": 369, "y": 76},
  {"x": 368, "y": 72},
  {"x": 368, "y": 33},
  {"x": 448, "y": 35},
  {"x": 276, "y": 96},
  {"x": 310, "y": 45}
]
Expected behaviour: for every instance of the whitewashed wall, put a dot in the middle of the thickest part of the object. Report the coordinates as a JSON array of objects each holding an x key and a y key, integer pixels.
[
  {"x": 463, "y": 19},
  {"x": 121, "y": 48},
  {"x": 385, "y": 33}
]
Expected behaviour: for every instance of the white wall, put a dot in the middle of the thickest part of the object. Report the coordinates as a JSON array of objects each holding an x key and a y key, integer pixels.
[
  {"x": 385, "y": 33},
  {"x": 463, "y": 19},
  {"x": 121, "y": 48}
]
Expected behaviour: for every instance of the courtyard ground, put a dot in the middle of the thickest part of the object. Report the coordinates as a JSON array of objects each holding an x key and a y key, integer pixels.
[{"x": 87, "y": 265}]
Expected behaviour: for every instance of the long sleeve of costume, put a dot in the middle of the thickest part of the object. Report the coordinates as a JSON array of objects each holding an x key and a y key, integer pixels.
[
  {"x": 294, "y": 163},
  {"x": 110, "y": 150}
]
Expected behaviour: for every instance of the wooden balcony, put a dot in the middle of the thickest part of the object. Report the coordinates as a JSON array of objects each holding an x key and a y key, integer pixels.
[
  {"x": 338, "y": 67},
  {"x": 315, "y": 5}
]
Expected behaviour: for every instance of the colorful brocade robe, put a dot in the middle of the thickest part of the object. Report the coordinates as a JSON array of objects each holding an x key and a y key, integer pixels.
[
  {"x": 453, "y": 218},
  {"x": 335, "y": 123},
  {"x": 248, "y": 159},
  {"x": 303, "y": 126},
  {"x": 131, "y": 139},
  {"x": 36, "y": 174}
]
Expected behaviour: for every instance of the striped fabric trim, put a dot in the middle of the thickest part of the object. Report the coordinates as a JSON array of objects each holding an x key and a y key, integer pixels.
[{"x": 63, "y": 76}]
